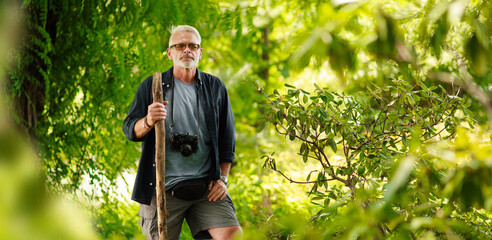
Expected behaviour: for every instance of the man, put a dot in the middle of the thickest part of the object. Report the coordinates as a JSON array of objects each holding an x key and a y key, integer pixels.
[{"x": 200, "y": 145}]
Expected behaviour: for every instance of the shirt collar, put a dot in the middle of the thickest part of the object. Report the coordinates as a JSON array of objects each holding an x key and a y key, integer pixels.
[{"x": 168, "y": 76}]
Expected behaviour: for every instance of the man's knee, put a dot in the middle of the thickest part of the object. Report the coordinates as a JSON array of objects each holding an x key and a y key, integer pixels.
[
  {"x": 237, "y": 233},
  {"x": 226, "y": 233}
]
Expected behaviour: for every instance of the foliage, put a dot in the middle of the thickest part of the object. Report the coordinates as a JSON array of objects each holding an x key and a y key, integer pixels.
[
  {"x": 118, "y": 220},
  {"x": 435, "y": 200},
  {"x": 26, "y": 210},
  {"x": 81, "y": 62},
  {"x": 371, "y": 132},
  {"x": 419, "y": 40},
  {"x": 262, "y": 200},
  {"x": 373, "y": 149}
]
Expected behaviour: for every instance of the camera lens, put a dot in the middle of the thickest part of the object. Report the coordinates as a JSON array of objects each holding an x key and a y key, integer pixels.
[{"x": 186, "y": 150}]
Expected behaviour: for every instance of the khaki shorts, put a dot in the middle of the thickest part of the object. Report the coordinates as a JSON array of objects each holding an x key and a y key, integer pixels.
[{"x": 200, "y": 215}]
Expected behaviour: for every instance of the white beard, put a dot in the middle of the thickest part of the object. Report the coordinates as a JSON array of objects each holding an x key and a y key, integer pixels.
[{"x": 186, "y": 64}]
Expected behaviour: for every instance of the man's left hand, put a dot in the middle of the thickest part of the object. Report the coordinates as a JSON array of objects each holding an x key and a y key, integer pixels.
[{"x": 218, "y": 190}]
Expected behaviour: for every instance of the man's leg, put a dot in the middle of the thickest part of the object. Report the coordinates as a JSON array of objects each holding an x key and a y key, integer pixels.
[
  {"x": 148, "y": 220},
  {"x": 148, "y": 214},
  {"x": 226, "y": 233},
  {"x": 213, "y": 219}
]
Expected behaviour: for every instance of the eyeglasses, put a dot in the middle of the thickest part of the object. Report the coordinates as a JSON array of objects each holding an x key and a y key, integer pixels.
[{"x": 182, "y": 46}]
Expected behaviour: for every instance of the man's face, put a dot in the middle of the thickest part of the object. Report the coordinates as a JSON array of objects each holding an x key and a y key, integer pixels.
[{"x": 187, "y": 57}]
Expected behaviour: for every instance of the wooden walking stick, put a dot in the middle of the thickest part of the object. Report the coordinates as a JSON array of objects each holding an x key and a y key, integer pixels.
[{"x": 160, "y": 160}]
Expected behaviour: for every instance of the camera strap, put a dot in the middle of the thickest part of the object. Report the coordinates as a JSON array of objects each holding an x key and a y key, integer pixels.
[{"x": 172, "y": 109}]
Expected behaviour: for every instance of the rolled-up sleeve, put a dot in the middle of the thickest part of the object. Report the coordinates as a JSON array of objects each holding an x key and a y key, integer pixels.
[{"x": 227, "y": 139}]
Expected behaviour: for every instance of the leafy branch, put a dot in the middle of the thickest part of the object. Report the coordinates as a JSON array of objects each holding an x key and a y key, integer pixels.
[{"x": 371, "y": 130}]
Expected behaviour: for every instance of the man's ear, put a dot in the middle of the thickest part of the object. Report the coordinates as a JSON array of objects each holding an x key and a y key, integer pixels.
[{"x": 168, "y": 51}]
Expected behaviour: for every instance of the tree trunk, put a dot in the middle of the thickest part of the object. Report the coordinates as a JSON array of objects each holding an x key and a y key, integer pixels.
[
  {"x": 160, "y": 160},
  {"x": 29, "y": 95}
]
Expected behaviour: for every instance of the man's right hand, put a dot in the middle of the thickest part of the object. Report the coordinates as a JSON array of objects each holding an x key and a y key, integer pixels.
[{"x": 156, "y": 112}]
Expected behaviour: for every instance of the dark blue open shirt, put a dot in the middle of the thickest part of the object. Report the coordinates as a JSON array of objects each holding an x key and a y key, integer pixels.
[{"x": 213, "y": 96}]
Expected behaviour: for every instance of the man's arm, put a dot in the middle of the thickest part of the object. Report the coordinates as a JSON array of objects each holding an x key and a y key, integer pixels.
[
  {"x": 224, "y": 168},
  {"x": 218, "y": 188}
]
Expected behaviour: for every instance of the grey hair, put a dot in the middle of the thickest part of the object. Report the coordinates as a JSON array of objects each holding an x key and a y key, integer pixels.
[{"x": 184, "y": 28}]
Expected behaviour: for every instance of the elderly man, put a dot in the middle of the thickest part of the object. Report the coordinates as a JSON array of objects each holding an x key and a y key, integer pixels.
[{"x": 200, "y": 145}]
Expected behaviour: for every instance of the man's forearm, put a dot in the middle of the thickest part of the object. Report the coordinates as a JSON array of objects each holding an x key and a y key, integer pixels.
[
  {"x": 225, "y": 167},
  {"x": 140, "y": 129}
]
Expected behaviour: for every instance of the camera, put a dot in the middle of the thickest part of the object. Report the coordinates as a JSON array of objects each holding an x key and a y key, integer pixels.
[{"x": 184, "y": 143}]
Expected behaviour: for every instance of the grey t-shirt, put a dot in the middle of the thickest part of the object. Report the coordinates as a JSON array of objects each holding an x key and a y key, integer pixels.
[{"x": 197, "y": 165}]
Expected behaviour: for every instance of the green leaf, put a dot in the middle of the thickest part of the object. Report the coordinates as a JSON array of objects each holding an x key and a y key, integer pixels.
[
  {"x": 361, "y": 170},
  {"x": 477, "y": 54},
  {"x": 329, "y": 96},
  {"x": 333, "y": 145},
  {"x": 260, "y": 127},
  {"x": 399, "y": 177},
  {"x": 410, "y": 99},
  {"x": 439, "y": 35},
  {"x": 304, "y": 147},
  {"x": 289, "y": 86},
  {"x": 292, "y": 137},
  {"x": 309, "y": 176},
  {"x": 362, "y": 156}
]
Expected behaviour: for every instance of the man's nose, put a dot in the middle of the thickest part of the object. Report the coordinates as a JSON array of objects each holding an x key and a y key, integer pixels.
[{"x": 187, "y": 49}]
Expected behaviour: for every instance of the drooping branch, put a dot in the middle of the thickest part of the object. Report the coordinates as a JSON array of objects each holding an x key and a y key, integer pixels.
[{"x": 271, "y": 163}]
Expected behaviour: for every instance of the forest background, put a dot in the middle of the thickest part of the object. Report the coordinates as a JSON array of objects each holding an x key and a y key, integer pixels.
[{"x": 354, "y": 119}]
